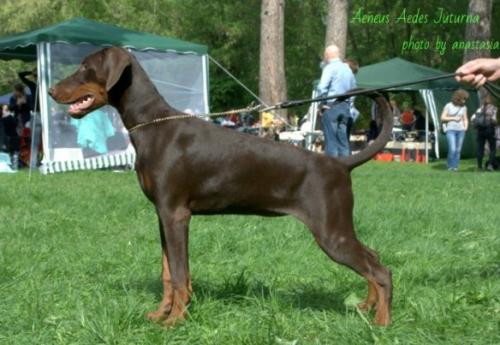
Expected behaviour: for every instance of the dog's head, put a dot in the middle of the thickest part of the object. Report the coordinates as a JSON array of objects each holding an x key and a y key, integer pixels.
[{"x": 88, "y": 88}]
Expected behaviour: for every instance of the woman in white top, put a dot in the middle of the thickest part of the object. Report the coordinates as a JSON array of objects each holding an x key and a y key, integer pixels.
[{"x": 455, "y": 117}]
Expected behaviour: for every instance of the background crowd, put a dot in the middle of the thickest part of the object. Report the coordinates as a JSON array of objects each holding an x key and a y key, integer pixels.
[{"x": 17, "y": 120}]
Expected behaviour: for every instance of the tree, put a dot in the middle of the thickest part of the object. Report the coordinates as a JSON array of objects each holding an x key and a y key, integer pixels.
[
  {"x": 336, "y": 24},
  {"x": 272, "y": 81},
  {"x": 478, "y": 31},
  {"x": 228, "y": 28}
]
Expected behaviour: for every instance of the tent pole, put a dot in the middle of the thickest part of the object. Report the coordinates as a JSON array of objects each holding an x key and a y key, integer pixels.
[
  {"x": 426, "y": 136},
  {"x": 205, "y": 83},
  {"x": 34, "y": 130},
  {"x": 430, "y": 104},
  {"x": 43, "y": 76}
]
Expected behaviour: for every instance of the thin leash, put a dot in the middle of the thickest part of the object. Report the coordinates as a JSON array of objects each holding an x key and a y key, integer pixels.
[
  {"x": 490, "y": 87},
  {"x": 187, "y": 116},
  {"x": 493, "y": 89},
  {"x": 343, "y": 96}
]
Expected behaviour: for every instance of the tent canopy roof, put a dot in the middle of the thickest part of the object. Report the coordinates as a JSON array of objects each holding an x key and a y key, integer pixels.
[
  {"x": 80, "y": 30},
  {"x": 398, "y": 70}
]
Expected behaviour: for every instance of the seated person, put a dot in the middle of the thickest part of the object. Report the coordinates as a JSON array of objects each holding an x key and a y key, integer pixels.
[
  {"x": 407, "y": 119},
  {"x": 227, "y": 121},
  {"x": 267, "y": 119}
]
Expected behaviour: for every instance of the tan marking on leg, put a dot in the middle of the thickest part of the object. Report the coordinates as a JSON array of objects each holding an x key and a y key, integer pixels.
[
  {"x": 165, "y": 305},
  {"x": 371, "y": 299},
  {"x": 179, "y": 306},
  {"x": 382, "y": 314}
]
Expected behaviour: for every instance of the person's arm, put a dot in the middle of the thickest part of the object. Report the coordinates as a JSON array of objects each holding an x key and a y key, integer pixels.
[
  {"x": 494, "y": 115},
  {"x": 30, "y": 83},
  {"x": 444, "y": 115},
  {"x": 474, "y": 115},
  {"x": 23, "y": 75},
  {"x": 479, "y": 71},
  {"x": 324, "y": 82},
  {"x": 466, "y": 120},
  {"x": 12, "y": 104}
]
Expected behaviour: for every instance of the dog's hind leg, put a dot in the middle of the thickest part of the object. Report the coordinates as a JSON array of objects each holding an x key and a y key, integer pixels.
[
  {"x": 348, "y": 251},
  {"x": 166, "y": 302},
  {"x": 334, "y": 233},
  {"x": 175, "y": 225},
  {"x": 371, "y": 299}
]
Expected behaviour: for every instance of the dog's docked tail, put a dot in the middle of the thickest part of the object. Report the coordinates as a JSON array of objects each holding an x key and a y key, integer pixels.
[{"x": 385, "y": 113}]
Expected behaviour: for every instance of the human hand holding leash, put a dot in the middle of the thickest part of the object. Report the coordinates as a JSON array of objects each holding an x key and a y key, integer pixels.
[{"x": 479, "y": 71}]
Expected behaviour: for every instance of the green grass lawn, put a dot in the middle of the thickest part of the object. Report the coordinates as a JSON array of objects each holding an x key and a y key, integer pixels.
[{"x": 80, "y": 264}]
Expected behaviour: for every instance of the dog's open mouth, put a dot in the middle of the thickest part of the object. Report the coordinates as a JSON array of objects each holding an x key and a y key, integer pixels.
[{"x": 81, "y": 105}]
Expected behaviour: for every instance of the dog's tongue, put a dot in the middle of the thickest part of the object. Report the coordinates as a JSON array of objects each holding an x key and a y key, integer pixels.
[{"x": 80, "y": 105}]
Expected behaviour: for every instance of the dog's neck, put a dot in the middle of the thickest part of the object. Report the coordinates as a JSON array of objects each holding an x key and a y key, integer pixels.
[{"x": 136, "y": 98}]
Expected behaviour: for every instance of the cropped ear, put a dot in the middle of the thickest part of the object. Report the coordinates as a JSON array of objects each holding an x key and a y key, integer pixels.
[{"x": 115, "y": 60}]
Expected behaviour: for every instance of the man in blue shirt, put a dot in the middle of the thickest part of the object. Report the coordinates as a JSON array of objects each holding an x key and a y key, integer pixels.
[{"x": 336, "y": 78}]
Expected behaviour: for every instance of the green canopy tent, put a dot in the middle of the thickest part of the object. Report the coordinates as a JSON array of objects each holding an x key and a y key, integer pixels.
[
  {"x": 435, "y": 93},
  {"x": 179, "y": 70},
  {"x": 23, "y": 46}
]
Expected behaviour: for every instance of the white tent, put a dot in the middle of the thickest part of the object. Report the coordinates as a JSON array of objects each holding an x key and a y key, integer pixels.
[{"x": 178, "y": 69}]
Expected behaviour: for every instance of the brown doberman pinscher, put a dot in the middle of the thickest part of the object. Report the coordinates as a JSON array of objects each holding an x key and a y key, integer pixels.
[{"x": 188, "y": 166}]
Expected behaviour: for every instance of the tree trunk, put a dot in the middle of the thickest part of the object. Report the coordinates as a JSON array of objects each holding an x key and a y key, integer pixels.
[
  {"x": 336, "y": 25},
  {"x": 480, "y": 31},
  {"x": 272, "y": 80}
]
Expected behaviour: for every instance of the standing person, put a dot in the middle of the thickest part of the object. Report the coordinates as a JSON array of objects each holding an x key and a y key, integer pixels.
[
  {"x": 29, "y": 78},
  {"x": 485, "y": 121},
  {"x": 336, "y": 78},
  {"x": 9, "y": 124},
  {"x": 455, "y": 117},
  {"x": 353, "y": 112},
  {"x": 3, "y": 136},
  {"x": 396, "y": 112},
  {"x": 20, "y": 103}
]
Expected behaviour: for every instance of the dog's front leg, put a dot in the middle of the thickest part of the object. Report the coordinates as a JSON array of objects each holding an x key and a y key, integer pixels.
[
  {"x": 177, "y": 291},
  {"x": 166, "y": 302}
]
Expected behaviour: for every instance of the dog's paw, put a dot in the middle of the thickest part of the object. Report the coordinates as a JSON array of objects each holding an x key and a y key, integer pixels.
[
  {"x": 382, "y": 318},
  {"x": 172, "y": 321},
  {"x": 158, "y": 315},
  {"x": 365, "y": 306}
]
